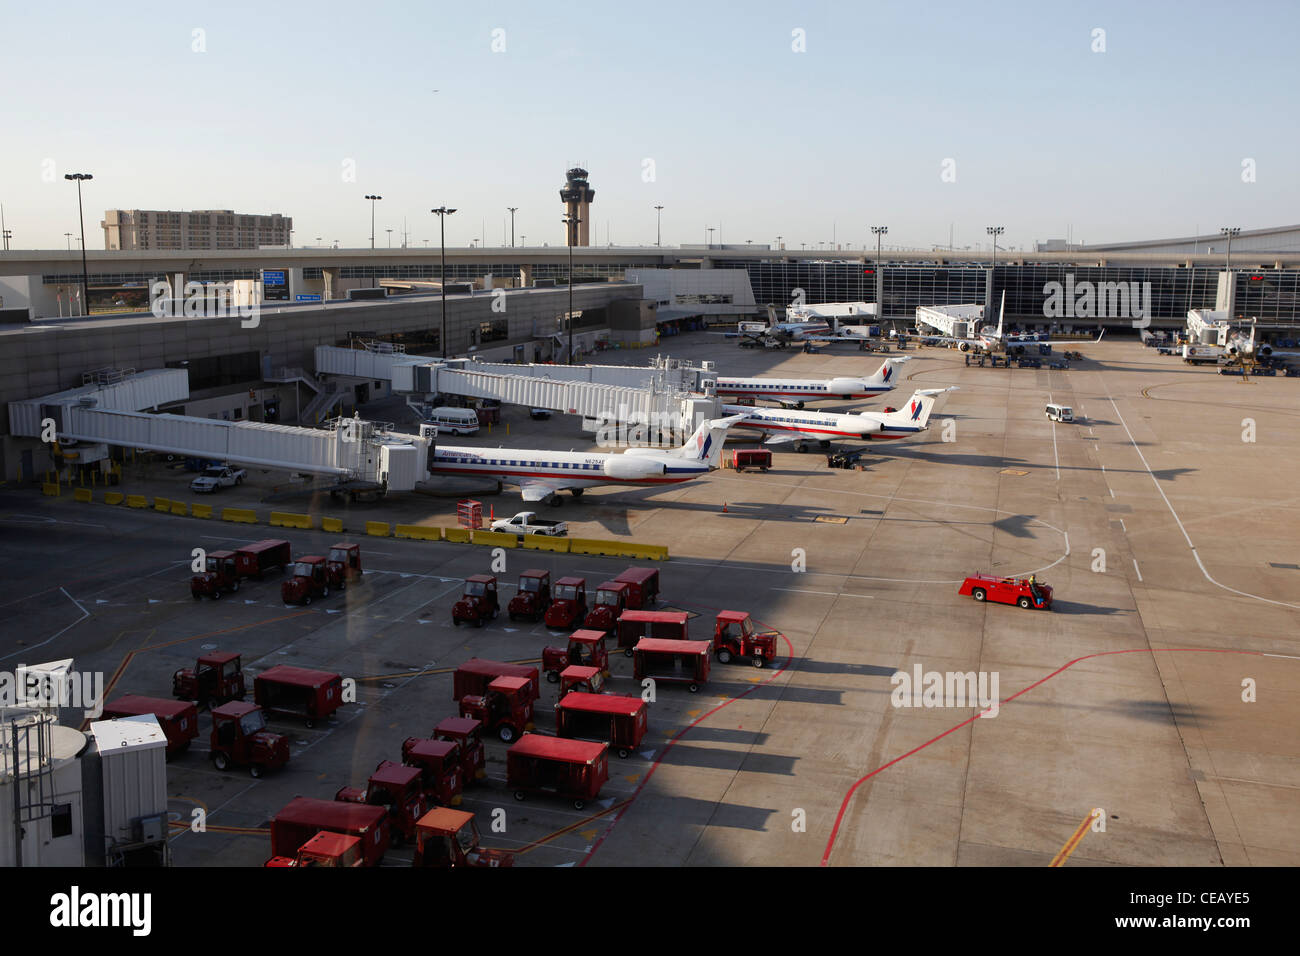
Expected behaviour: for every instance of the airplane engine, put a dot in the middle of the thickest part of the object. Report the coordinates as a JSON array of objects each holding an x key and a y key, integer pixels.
[
  {"x": 633, "y": 467},
  {"x": 861, "y": 424},
  {"x": 843, "y": 386}
]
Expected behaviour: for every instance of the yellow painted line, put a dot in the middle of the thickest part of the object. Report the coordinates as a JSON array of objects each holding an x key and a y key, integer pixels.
[{"x": 1072, "y": 844}]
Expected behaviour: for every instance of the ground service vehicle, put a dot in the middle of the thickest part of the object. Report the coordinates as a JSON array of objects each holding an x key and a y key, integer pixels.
[
  {"x": 299, "y": 692},
  {"x": 467, "y": 735},
  {"x": 270, "y": 554},
  {"x": 617, "y": 721},
  {"x": 457, "y": 421},
  {"x": 672, "y": 662},
  {"x": 642, "y": 587},
  {"x": 586, "y": 648},
  {"x": 568, "y": 604},
  {"x": 218, "y": 476},
  {"x": 1019, "y": 591},
  {"x": 324, "y": 849},
  {"x": 1060, "y": 413},
  {"x": 215, "y": 679},
  {"x": 399, "y": 790},
  {"x": 760, "y": 458},
  {"x": 220, "y": 573},
  {"x": 527, "y": 522},
  {"x": 475, "y": 674},
  {"x": 310, "y": 579},
  {"x": 343, "y": 564},
  {"x": 533, "y": 596},
  {"x": 505, "y": 706},
  {"x": 439, "y": 763},
  {"x": 449, "y": 838},
  {"x": 590, "y": 680},
  {"x": 734, "y": 636},
  {"x": 179, "y": 720},
  {"x": 303, "y": 817},
  {"x": 610, "y": 602},
  {"x": 478, "y": 602},
  {"x": 573, "y": 769},
  {"x": 239, "y": 737},
  {"x": 662, "y": 625}
]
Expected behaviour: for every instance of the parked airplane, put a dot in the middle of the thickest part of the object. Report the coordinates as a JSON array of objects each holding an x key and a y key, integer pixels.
[
  {"x": 990, "y": 339},
  {"x": 784, "y": 425},
  {"x": 795, "y": 391},
  {"x": 542, "y": 475},
  {"x": 1244, "y": 351},
  {"x": 777, "y": 335}
]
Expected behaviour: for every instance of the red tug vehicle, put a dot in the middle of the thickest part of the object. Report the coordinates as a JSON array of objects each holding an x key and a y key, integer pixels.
[
  {"x": 449, "y": 838},
  {"x": 344, "y": 563},
  {"x": 440, "y": 766},
  {"x": 589, "y": 680},
  {"x": 568, "y": 604},
  {"x": 223, "y": 570},
  {"x": 586, "y": 649},
  {"x": 533, "y": 596},
  {"x": 505, "y": 706},
  {"x": 478, "y": 603},
  {"x": 239, "y": 737},
  {"x": 467, "y": 735},
  {"x": 734, "y": 636},
  {"x": 1025, "y": 592},
  {"x": 396, "y": 788},
  {"x": 215, "y": 679},
  {"x": 326, "y": 848},
  {"x": 311, "y": 579},
  {"x": 610, "y": 602}
]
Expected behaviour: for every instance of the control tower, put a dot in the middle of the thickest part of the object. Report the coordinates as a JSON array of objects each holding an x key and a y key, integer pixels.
[{"x": 577, "y": 195}]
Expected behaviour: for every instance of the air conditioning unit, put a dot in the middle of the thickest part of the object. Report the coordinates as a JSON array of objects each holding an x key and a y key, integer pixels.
[{"x": 150, "y": 829}]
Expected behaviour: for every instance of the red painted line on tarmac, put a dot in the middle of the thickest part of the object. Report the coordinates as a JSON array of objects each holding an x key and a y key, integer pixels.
[
  {"x": 844, "y": 805},
  {"x": 673, "y": 740}
]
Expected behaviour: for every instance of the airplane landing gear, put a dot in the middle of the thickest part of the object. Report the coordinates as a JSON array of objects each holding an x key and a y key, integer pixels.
[
  {"x": 555, "y": 501},
  {"x": 577, "y": 492}
]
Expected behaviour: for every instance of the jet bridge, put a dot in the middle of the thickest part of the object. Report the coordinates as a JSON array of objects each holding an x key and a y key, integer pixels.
[{"x": 957, "y": 321}]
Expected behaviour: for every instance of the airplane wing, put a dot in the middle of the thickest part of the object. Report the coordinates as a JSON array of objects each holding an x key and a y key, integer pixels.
[
  {"x": 539, "y": 489},
  {"x": 781, "y": 438}
]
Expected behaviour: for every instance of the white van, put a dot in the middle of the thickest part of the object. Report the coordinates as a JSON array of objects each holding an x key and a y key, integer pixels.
[
  {"x": 1060, "y": 413},
  {"x": 457, "y": 421}
]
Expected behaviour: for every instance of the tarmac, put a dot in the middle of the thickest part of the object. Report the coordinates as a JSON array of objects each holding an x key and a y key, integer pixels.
[{"x": 1162, "y": 689}]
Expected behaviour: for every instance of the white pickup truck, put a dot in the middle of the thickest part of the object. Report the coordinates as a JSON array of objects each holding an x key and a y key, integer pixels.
[
  {"x": 527, "y": 522},
  {"x": 218, "y": 476}
]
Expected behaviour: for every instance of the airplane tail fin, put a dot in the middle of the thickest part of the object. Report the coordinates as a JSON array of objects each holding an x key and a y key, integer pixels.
[
  {"x": 771, "y": 316},
  {"x": 706, "y": 444},
  {"x": 1002, "y": 312},
  {"x": 916, "y": 413},
  {"x": 885, "y": 374}
]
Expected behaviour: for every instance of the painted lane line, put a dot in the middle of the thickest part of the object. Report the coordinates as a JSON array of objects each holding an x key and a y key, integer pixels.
[
  {"x": 869, "y": 597},
  {"x": 1075, "y": 839},
  {"x": 1137, "y": 569},
  {"x": 27, "y": 650}
]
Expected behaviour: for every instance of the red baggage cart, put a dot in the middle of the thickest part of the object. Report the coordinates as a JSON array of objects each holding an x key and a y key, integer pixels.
[
  {"x": 573, "y": 769},
  {"x": 619, "y": 722},
  {"x": 672, "y": 662},
  {"x": 299, "y": 692}
]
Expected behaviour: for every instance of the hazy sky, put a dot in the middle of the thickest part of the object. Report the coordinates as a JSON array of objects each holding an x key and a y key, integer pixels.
[{"x": 265, "y": 108}]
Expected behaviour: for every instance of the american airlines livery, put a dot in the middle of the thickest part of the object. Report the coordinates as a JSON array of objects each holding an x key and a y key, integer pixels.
[
  {"x": 784, "y": 425},
  {"x": 542, "y": 475},
  {"x": 796, "y": 391}
]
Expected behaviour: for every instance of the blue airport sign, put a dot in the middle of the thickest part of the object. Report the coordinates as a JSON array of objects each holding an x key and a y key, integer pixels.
[
  {"x": 273, "y": 277},
  {"x": 307, "y": 297}
]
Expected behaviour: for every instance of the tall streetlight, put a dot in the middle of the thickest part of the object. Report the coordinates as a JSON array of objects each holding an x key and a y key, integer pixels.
[
  {"x": 572, "y": 222},
  {"x": 1229, "y": 232},
  {"x": 390, "y": 237},
  {"x": 709, "y": 230},
  {"x": 373, "y": 200},
  {"x": 995, "y": 231},
  {"x": 659, "y": 219},
  {"x": 778, "y": 243},
  {"x": 79, "y": 178},
  {"x": 879, "y": 232},
  {"x": 68, "y": 236},
  {"x": 512, "y": 225},
  {"x": 442, "y": 212}
]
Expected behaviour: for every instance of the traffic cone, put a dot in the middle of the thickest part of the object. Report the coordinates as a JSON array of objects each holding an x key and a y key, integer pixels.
[{"x": 724, "y": 507}]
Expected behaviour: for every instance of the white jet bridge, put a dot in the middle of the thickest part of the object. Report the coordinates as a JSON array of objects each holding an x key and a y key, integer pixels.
[{"x": 957, "y": 321}]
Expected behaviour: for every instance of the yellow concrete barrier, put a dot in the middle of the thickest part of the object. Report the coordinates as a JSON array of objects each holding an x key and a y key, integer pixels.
[
  {"x": 618, "y": 549},
  {"x": 378, "y": 529},
  {"x": 113, "y": 497},
  {"x": 495, "y": 539},
  {"x": 540, "y": 542},
  {"x": 334, "y": 525},
  {"x": 162, "y": 504},
  {"x": 180, "y": 508},
  {"x": 199, "y": 511},
  {"x": 460, "y": 535},
  {"x": 240, "y": 515},
  {"x": 82, "y": 494},
  {"x": 50, "y": 489},
  {"x": 287, "y": 519},
  {"x": 137, "y": 501},
  {"x": 419, "y": 532}
]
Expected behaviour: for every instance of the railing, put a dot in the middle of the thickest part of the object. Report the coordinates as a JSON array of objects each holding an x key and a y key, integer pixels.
[{"x": 106, "y": 376}]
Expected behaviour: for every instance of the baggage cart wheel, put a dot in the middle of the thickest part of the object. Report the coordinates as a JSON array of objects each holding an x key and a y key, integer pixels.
[
  {"x": 724, "y": 656},
  {"x": 306, "y": 599},
  {"x": 757, "y": 661},
  {"x": 221, "y": 761},
  {"x": 216, "y": 594},
  {"x": 627, "y": 651},
  {"x": 343, "y": 585},
  {"x": 309, "y": 723},
  {"x": 1023, "y": 602},
  {"x": 255, "y": 770},
  {"x": 553, "y": 676},
  {"x": 624, "y": 752},
  {"x": 579, "y": 804},
  {"x": 519, "y": 795},
  {"x": 234, "y": 586},
  {"x": 506, "y": 733},
  {"x": 213, "y": 703},
  {"x": 325, "y": 593},
  {"x": 693, "y": 688},
  {"x": 978, "y": 594}
]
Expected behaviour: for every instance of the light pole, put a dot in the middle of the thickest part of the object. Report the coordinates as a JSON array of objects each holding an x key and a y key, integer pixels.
[
  {"x": 68, "y": 236},
  {"x": 390, "y": 237},
  {"x": 512, "y": 225},
  {"x": 572, "y": 221},
  {"x": 373, "y": 200},
  {"x": 659, "y": 219},
  {"x": 778, "y": 243},
  {"x": 879, "y": 232},
  {"x": 1229, "y": 232},
  {"x": 995, "y": 231},
  {"x": 79, "y": 178},
  {"x": 442, "y": 212},
  {"x": 709, "y": 230}
]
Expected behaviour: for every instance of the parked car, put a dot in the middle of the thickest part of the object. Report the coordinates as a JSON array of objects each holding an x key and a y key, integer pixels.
[
  {"x": 527, "y": 522},
  {"x": 218, "y": 476}
]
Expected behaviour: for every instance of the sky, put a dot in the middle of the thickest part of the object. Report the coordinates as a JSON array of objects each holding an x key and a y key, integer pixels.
[{"x": 812, "y": 121}]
